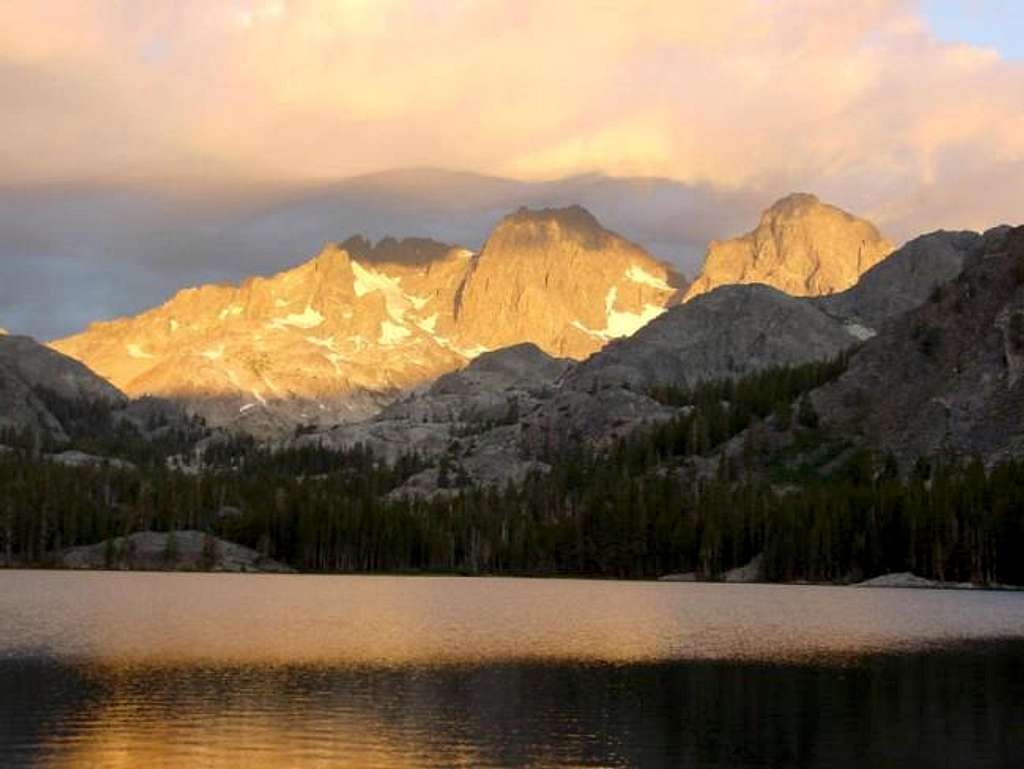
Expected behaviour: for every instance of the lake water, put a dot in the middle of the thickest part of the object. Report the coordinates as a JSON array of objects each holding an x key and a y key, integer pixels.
[{"x": 273, "y": 672}]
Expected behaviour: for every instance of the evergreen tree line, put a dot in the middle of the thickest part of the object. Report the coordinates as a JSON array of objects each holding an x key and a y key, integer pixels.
[
  {"x": 588, "y": 516},
  {"x": 636, "y": 509}
]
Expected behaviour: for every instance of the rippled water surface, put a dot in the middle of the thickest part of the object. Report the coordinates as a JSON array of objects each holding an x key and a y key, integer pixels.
[{"x": 174, "y": 670}]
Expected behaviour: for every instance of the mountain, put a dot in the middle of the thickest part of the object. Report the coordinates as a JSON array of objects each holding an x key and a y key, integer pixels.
[
  {"x": 331, "y": 339},
  {"x": 343, "y": 335},
  {"x": 506, "y": 413},
  {"x": 800, "y": 246},
  {"x": 735, "y": 330},
  {"x": 225, "y": 233},
  {"x": 511, "y": 409},
  {"x": 904, "y": 280},
  {"x": 945, "y": 378},
  {"x": 37, "y": 384},
  {"x": 728, "y": 333},
  {"x": 557, "y": 278},
  {"x": 474, "y": 412}
]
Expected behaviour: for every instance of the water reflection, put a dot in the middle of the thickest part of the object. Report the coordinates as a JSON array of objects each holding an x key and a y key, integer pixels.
[
  {"x": 137, "y": 671},
  {"x": 189, "y": 619},
  {"x": 902, "y": 710}
]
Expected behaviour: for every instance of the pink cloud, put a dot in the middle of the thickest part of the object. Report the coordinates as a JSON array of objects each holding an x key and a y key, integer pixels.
[{"x": 857, "y": 101}]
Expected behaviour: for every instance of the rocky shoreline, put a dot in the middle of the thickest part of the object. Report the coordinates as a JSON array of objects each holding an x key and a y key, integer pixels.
[
  {"x": 169, "y": 551},
  {"x": 894, "y": 580}
]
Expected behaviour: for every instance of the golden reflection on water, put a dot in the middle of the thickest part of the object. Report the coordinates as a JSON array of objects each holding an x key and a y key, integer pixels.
[
  {"x": 117, "y": 736},
  {"x": 161, "y": 671},
  {"x": 188, "y": 619}
]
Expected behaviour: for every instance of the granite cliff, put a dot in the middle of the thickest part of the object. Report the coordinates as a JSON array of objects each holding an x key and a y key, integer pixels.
[
  {"x": 338, "y": 338},
  {"x": 801, "y": 246}
]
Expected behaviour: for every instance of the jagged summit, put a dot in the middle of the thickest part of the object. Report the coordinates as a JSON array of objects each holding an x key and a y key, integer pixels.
[
  {"x": 529, "y": 226},
  {"x": 568, "y": 217},
  {"x": 800, "y": 245},
  {"x": 792, "y": 204},
  {"x": 558, "y": 278},
  {"x": 348, "y": 331}
]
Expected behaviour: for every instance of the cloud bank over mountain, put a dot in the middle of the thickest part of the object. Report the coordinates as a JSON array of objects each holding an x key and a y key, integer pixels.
[{"x": 859, "y": 103}]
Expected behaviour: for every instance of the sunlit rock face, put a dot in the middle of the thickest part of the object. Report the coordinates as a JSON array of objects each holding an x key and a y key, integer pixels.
[
  {"x": 329, "y": 341},
  {"x": 556, "y": 278},
  {"x": 339, "y": 337},
  {"x": 801, "y": 246}
]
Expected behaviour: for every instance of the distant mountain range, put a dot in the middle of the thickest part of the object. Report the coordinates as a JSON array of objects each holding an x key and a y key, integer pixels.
[
  {"x": 811, "y": 406},
  {"x": 340, "y": 337},
  {"x": 557, "y": 330},
  {"x": 510, "y": 409}
]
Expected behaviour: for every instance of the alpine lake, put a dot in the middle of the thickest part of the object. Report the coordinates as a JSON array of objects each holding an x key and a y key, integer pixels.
[{"x": 151, "y": 671}]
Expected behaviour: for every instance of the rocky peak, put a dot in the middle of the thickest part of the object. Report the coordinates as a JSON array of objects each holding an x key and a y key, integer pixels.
[
  {"x": 544, "y": 225},
  {"x": 801, "y": 246},
  {"x": 794, "y": 204},
  {"x": 349, "y": 331},
  {"x": 329, "y": 270},
  {"x": 39, "y": 366},
  {"x": 557, "y": 278}
]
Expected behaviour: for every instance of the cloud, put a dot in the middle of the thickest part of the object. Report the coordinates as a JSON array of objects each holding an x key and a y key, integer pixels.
[
  {"x": 858, "y": 102},
  {"x": 729, "y": 93}
]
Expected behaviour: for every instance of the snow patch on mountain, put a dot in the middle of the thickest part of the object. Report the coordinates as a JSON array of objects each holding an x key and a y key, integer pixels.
[
  {"x": 368, "y": 280},
  {"x": 308, "y": 318},
  {"x": 396, "y": 301},
  {"x": 620, "y": 323},
  {"x": 326, "y": 342},
  {"x": 392, "y": 333},
  {"x": 638, "y": 274},
  {"x": 136, "y": 351},
  {"x": 428, "y": 324},
  {"x": 468, "y": 353}
]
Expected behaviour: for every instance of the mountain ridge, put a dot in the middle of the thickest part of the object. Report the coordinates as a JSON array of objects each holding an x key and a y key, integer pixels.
[{"x": 338, "y": 337}]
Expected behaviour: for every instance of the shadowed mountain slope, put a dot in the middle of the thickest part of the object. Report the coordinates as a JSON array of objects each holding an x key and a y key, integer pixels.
[
  {"x": 945, "y": 378},
  {"x": 35, "y": 381}
]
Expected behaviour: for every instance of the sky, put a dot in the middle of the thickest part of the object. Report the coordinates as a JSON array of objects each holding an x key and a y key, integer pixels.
[
  {"x": 989, "y": 23},
  {"x": 149, "y": 146}
]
